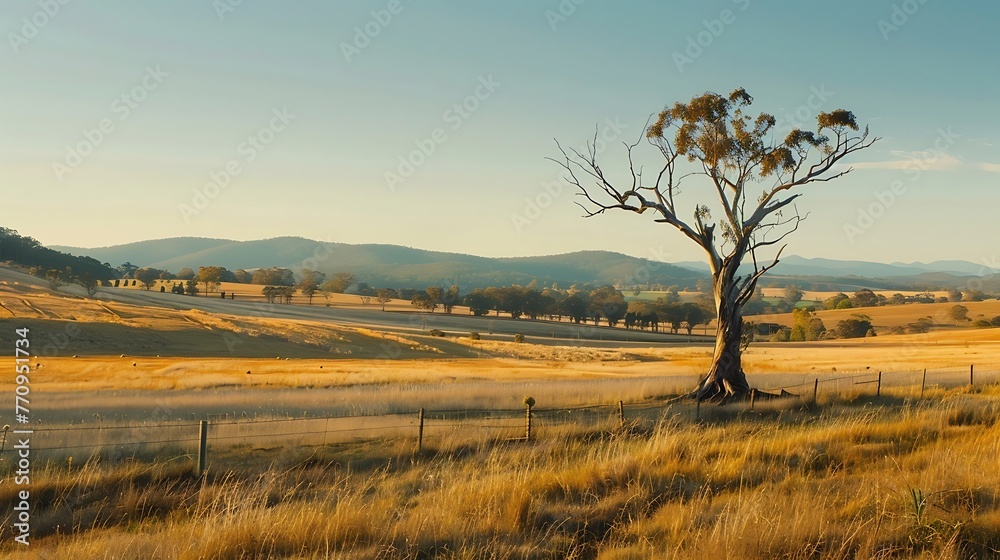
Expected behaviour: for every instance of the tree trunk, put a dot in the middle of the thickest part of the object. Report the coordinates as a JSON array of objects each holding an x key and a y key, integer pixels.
[{"x": 725, "y": 380}]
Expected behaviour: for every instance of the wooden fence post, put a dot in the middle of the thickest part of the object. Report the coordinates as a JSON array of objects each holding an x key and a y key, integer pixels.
[
  {"x": 527, "y": 423},
  {"x": 971, "y": 366},
  {"x": 815, "y": 389},
  {"x": 621, "y": 414},
  {"x": 697, "y": 410},
  {"x": 420, "y": 432},
  {"x": 528, "y": 403},
  {"x": 923, "y": 382},
  {"x": 878, "y": 388},
  {"x": 202, "y": 447},
  {"x": 753, "y": 397}
]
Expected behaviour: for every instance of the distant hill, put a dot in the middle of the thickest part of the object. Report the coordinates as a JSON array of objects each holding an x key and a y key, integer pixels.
[
  {"x": 393, "y": 265},
  {"x": 794, "y": 265},
  {"x": 405, "y": 267}
]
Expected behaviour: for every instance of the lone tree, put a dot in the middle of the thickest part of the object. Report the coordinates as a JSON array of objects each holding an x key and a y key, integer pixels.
[
  {"x": 210, "y": 276},
  {"x": 311, "y": 281},
  {"x": 753, "y": 179}
]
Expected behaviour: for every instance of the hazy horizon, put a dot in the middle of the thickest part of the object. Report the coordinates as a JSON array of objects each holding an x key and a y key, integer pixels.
[
  {"x": 652, "y": 256},
  {"x": 124, "y": 119}
]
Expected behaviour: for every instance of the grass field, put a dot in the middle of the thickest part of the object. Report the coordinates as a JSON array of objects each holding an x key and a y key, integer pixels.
[
  {"x": 899, "y": 315},
  {"x": 846, "y": 478},
  {"x": 852, "y": 476}
]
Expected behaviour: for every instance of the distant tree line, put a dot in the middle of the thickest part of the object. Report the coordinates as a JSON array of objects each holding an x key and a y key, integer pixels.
[{"x": 28, "y": 252}]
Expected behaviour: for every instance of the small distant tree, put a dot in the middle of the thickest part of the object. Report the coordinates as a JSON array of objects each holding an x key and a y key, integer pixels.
[
  {"x": 384, "y": 296},
  {"x": 273, "y": 277},
  {"x": 88, "y": 282},
  {"x": 311, "y": 281},
  {"x": 864, "y": 298},
  {"x": 338, "y": 283},
  {"x": 450, "y": 298},
  {"x": 784, "y": 334},
  {"x": 575, "y": 306},
  {"x": 896, "y": 299},
  {"x": 435, "y": 296},
  {"x": 807, "y": 326},
  {"x": 422, "y": 301},
  {"x": 479, "y": 302},
  {"x": 959, "y": 313},
  {"x": 921, "y": 325},
  {"x": 242, "y": 276},
  {"x": 609, "y": 303},
  {"x": 954, "y": 295},
  {"x": 54, "y": 277},
  {"x": 191, "y": 287},
  {"x": 210, "y": 276},
  {"x": 973, "y": 295},
  {"x": 792, "y": 294},
  {"x": 148, "y": 276},
  {"x": 855, "y": 326},
  {"x": 695, "y": 315}
]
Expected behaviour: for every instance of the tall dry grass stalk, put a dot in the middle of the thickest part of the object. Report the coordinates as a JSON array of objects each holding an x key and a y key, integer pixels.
[{"x": 845, "y": 478}]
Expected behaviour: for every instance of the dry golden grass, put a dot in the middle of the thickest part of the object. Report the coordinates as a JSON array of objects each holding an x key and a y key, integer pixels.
[
  {"x": 811, "y": 295},
  {"x": 897, "y": 315},
  {"x": 829, "y": 481}
]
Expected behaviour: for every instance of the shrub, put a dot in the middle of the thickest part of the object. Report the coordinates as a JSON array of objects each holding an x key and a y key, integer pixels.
[
  {"x": 518, "y": 337},
  {"x": 474, "y": 335},
  {"x": 436, "y": 332},
  {"x": 921, "y": 325}
]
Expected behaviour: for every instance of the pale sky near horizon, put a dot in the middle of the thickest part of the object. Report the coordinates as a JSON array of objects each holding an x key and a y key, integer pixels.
[{"x": 302, "y": 108}]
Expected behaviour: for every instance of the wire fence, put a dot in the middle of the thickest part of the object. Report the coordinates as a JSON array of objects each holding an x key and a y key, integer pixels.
[{"x": 195, "y": 439}]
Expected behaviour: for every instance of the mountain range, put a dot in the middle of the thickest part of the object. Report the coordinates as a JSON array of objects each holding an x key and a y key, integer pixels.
[{"x": 398, "y": 266}]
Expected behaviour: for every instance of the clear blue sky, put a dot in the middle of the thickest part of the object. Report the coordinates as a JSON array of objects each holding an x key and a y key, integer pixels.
[{"x": 331, "y": 112}]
